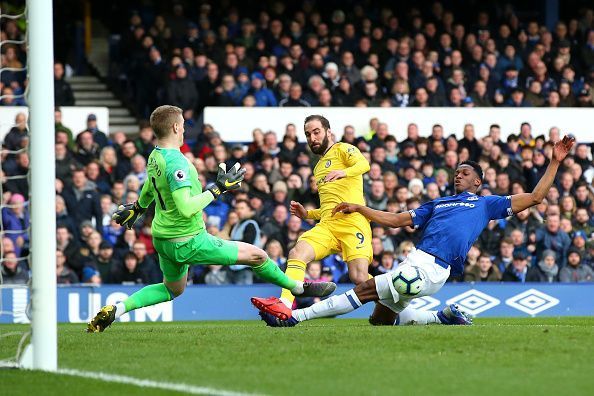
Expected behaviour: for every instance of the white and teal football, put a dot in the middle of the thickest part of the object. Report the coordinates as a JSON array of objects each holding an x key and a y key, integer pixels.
[{"x": 408, "y": 280}]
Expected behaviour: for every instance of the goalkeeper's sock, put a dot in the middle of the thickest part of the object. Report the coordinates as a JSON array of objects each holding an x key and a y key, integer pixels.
[
  {"x": 120, "y": 309},
  {"x": 296, "y": 271},
  {"x": 411, "y": 316},
  {"x": 270, "y": 272},
  {"x": 148, "y": 295},
  {"x": 335, "y": 305}
]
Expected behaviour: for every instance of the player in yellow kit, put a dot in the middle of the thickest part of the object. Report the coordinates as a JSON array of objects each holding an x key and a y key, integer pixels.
[{"x": 339, "y": 175}]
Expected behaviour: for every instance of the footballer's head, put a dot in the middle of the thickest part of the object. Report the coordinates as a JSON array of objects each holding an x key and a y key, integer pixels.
[
  {"x": 168, "y": 123},
  {"x": 468, "y": 177},
  {"x": 317, "y": 133}
]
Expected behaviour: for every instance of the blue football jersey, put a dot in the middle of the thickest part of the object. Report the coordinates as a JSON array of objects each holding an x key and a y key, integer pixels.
[{"x": 450, "y": 225}]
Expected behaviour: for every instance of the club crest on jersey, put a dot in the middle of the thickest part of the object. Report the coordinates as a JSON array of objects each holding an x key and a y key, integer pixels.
[
  {"x": 473, "y": 198},
  {"x": 180, "y": 175},
  {"x": 328, "y": 163}
]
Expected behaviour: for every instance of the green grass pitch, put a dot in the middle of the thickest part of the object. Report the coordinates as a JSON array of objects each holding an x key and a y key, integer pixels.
[{"x": 541, "y": 356}]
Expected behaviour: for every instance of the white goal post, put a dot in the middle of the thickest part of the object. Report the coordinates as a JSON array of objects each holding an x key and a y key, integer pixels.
[{"x": 43, "y": 221}]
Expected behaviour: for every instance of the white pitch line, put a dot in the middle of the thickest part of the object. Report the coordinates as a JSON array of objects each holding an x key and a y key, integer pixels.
[{"x": 178, "y": 387}]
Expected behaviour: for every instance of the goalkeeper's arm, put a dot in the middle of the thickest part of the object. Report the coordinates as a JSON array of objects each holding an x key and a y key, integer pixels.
[
  {"x": 146, "y": 195},
  {"x": 189, "y": 205}
]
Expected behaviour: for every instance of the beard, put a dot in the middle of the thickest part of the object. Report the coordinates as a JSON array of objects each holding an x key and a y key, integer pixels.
[{"x": 321, "y": 149}]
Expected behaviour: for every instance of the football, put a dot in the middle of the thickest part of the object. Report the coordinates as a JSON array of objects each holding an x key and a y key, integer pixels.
[{"x": 408, "y": 281}]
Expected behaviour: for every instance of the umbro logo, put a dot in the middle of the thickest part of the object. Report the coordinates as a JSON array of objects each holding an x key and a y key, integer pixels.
[{"x": 473, "y": 198}]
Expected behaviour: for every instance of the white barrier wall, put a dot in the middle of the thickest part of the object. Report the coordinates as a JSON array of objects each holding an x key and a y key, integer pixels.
[
  {"x": 74, "y": 118},
  {"x": 237, "y": 123}
]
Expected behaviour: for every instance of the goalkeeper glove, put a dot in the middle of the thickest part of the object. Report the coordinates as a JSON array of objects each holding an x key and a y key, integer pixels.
[
  {"x": 127, "y": 214},
  {"x": 226, "y": 181}
]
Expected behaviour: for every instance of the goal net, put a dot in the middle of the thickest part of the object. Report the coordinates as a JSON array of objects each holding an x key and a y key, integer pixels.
[
  {"x": 14, "y": 206},
  {"x": 27, "y": 178}
]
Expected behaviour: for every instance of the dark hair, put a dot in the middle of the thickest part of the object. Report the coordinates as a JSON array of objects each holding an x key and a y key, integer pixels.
[
  {"x": 245, "y": 201},
  {"x": 131, "y": 255},
  {"x": 323, "y": 120},
  {"x": 477, "y": 168}
]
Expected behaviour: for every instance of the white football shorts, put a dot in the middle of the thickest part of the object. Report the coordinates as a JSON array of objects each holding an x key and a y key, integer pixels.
[{"x": 433, "y": 274}]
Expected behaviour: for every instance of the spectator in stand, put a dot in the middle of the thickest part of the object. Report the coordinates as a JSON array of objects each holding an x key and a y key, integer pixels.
[
  {"x": 551, "y": 237},
  {"x": 18, "y": 136},
  {"x": 18, "y": 182},
  {"x": 295, "y": 98},
  {"x": 145, "y": 140},
  {"x": 82, "y": 200},
  {"x": 574, "y": 270},
  {"x": 181, "y": 91},
  {"x": 87, "y": 150},
  {"x": 519, "y": 271},
  {"x": 482, "y": 271},
  {"x": 15, "y": 222},
  {"x": 63, "y": 95},
  {"x": 12, "y": 273},
  {"x": 146, "y": 263},
  {"x": 106, "y": 264},
  {"x": 64, "y": 275},
  {"x": 274, "y": 249},
  {"x": 129, "y": 273},
  {"x": 99, "y": 137},
  {"x": 124, "y": 160}
]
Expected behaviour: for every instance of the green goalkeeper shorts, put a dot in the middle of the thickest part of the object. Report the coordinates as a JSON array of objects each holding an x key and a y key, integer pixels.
[{"x": 202, "y": 249}]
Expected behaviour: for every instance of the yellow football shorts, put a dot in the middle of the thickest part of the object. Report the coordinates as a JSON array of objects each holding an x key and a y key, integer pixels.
[{"x": 348, "y": 234}]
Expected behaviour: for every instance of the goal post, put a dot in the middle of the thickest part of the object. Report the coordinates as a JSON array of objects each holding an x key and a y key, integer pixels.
[{"x": 43, "y": 221}]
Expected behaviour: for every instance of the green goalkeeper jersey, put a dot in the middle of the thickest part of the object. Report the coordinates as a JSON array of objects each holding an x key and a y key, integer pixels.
[{"x": 167, "y": 171}]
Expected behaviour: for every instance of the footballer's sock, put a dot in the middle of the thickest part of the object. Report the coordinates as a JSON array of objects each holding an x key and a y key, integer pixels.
[
  {"x": 296, "y": 271},
  {"x": 148, "y": 295},
  {"x": 411, "y": 316},
  {"x": 120, "y": 309},
  {"x": 335, "y": 305},
  {"x": 270, "y": 272}
]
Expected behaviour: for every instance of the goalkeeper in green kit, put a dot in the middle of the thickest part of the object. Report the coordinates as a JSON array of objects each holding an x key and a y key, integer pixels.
[{"x": 179, "y": 234}]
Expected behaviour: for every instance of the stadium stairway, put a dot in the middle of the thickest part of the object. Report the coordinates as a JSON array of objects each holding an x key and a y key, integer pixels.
[
  {"x": 90, "y": 91},
  {"x": 93, "y": 91}
]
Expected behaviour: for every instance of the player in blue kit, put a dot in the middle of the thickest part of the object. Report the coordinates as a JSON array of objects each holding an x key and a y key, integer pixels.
[{"x": 449, "y": 227}]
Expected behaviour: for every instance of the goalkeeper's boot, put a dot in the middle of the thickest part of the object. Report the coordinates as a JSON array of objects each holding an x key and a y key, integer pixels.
[
  {"x": 453, "y": 315},
  {"x": 102, "y": 320},
  {"x": 273, "y": 321},
  {"x": 317, "y": 289},
  {"x": 273, "y": 306}
]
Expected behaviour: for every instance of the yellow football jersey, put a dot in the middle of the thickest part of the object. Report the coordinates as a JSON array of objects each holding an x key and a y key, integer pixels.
[{"x": 341, "y": 156}]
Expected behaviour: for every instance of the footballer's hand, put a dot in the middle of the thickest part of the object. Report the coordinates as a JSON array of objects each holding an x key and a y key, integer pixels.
[
  {"x": 335, "y": 175},
  {"x": 127, "y": 214},
  {"x": 345, "y": 208},
  {"x": 563, "y": 147},
  {"x": 298, "y": 210},
  {"x": 226, "y": 180}
]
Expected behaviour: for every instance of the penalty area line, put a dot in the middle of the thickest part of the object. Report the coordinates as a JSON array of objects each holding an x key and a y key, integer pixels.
[{"x": 146, "y": 383}]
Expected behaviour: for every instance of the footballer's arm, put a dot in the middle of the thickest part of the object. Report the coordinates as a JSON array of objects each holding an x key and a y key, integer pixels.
[
  {"x": 188, "y": 205},
  {"x": 146, "y": 195},
  {"x": 356, "y": 163},
  {"x": 387, "y": 219},
  {"x": 519, "y": 202}
]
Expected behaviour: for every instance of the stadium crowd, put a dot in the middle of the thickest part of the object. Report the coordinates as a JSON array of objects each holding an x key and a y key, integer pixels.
[
  {"x": 316, "y": 54},
  {"x": 551, "y": 242},
  {"x": 303, "y": 57}
]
